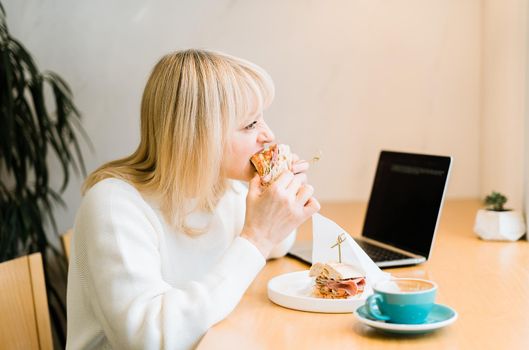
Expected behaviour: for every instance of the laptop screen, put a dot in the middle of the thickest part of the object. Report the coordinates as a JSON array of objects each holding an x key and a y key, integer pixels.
[{"x": 406, "y": 199}]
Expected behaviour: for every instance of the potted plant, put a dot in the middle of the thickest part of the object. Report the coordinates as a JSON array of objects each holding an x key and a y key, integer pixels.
[
  {"x": 37, "y": 119},
  {"x": 498, "y": 223}
]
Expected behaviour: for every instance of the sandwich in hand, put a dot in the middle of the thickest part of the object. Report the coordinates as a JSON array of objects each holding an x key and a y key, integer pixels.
[
  {"x": 336, "y": 280},
  {"x": 271, "y": 162}
]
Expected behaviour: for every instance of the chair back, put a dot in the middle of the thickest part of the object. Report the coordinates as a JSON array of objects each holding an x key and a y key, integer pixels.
[
  {"x": 65, "y": 240},
  {"x": 24, "y": 316}
]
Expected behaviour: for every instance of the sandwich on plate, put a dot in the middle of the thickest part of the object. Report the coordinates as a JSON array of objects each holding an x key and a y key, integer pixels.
[
  {"x": 271, "y": 162},
  {"x": 336, "y": 280}
]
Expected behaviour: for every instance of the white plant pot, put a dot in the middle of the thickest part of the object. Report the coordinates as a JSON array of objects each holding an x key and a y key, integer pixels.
[{"x": 499, "y": 225}]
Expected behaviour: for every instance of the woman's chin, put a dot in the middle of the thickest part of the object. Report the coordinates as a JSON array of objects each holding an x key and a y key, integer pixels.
[{"x": 247, "y": 176}]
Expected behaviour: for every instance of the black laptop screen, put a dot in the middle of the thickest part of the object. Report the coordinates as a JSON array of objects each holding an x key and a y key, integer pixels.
[{"x": 405, "y": 200}]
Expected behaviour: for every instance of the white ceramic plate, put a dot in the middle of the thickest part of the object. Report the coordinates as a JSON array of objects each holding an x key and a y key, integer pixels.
[{"x": 293, "y": 290}]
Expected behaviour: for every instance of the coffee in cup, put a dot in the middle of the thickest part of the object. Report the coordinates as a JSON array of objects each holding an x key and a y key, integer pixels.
[{"x": 402, "y": 300}]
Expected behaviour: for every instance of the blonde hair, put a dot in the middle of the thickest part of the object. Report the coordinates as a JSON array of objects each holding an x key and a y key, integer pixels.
[{"x": 192, "y": 100}]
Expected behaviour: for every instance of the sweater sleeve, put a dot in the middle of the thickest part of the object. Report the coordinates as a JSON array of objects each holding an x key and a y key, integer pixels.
[{"x": 119, "y": 261}]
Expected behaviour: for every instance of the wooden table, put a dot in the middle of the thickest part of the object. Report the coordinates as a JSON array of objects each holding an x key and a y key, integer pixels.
[{"x": 486, "y": 282}]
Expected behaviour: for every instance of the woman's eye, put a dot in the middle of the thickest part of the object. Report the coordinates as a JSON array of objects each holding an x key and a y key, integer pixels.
[{"x": 251, "y": 125}]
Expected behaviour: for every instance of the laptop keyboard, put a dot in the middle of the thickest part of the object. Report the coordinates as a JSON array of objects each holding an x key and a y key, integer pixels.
[{"x": 377, "y": 253}]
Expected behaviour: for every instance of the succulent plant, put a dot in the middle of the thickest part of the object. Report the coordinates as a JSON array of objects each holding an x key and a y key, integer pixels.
[{"x": 495, "y": 201}]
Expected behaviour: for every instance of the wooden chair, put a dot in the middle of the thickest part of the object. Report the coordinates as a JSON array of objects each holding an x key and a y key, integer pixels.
[
  {"x": 24, "y": 317},
  {"x": 65, "y": 240}
]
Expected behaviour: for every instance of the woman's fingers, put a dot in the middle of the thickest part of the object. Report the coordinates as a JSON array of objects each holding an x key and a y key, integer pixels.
[
  {"x": 302, "y": 178},
  {"x": 294, "y": 187},
  {"x": 295, "y": 157},
  {"x": 284, "y": 179},
  {"x": 312, "y": 206},
  {"x": 300, "y": 166},
  {"x": 304, "y": 194}
]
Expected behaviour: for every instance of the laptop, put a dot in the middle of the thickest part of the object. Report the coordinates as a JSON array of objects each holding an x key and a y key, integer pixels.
[{"x": 403, "y": 209}]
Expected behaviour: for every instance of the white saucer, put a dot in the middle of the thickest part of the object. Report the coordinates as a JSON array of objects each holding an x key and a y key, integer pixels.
[
  {"x": 440, "y": 316},
  {"x": 293, "y": 290}
]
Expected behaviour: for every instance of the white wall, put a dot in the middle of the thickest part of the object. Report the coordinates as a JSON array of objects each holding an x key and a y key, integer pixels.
[
  {"x": 352, "y": 77},
  {"x": 504, "y": 86}
]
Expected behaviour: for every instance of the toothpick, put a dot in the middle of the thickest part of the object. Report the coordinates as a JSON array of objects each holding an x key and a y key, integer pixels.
[
  {"x": 316, "y": 157},
  {"x": 339, "y": 240}
]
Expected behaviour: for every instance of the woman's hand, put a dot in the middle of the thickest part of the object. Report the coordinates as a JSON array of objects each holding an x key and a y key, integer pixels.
[
  {"x": 273, "y": 212},
  {"x": 300, "y": 168}
]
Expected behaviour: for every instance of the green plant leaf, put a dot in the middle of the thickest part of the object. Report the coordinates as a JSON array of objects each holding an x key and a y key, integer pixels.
[{"x": 29, "y": 130}]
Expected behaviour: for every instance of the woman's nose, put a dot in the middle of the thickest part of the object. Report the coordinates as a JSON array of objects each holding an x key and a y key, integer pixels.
[{"x": 266, "y": 135}]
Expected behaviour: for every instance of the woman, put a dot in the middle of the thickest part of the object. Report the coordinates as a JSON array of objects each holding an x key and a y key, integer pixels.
[{"x": 167, "y": 240}]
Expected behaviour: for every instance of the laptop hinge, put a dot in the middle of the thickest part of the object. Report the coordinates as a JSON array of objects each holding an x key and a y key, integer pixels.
[{"x": 392, "y": 248}]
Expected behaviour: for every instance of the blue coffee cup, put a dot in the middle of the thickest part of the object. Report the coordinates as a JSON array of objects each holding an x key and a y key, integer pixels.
[{"x": 402, "y": 300}]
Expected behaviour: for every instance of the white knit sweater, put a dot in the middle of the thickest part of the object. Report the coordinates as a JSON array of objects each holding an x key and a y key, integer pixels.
[{"x": 134, "y": 283}]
